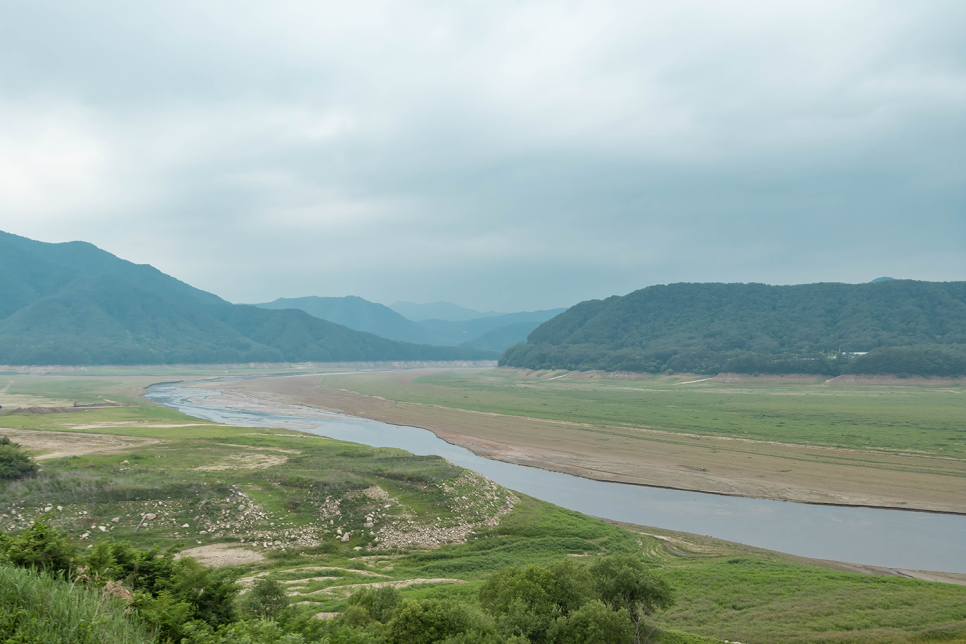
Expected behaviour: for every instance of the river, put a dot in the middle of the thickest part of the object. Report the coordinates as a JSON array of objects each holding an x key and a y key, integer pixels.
[{"x": 888, "y": 538}]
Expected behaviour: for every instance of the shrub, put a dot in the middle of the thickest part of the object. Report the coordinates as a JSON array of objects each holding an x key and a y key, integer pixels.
[{"x": 14, "y": 464}]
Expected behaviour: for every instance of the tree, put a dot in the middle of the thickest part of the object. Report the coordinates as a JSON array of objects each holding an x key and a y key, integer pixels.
[
  {"x": 594, "y": 623},
  {"x": 527, "y": 600},
  {"x": 624, "y": 582},
  {"x": 14, "y": 464},
  {"x": 266, "y": 600}
]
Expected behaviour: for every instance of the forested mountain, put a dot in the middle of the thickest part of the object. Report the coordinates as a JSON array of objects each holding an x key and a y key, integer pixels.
[
  {"x": 493, "y": 333},
  {"x": 707, "y": 327},
  {"x": 76, "y": 304}
]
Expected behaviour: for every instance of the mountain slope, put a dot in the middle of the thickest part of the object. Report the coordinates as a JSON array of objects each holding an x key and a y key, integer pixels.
[
  {"x": 76, "y": 304},
  {"x": 81, "y": 258},
  {"x": 644, "y": 330},
  {"x": 360, "y": 315},
  {"x": 108, "y": 320}
]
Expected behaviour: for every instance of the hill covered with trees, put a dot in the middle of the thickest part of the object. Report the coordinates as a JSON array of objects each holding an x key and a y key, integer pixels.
[
  {"x": 902, "y": 326},
  {"x": 76, "y": 304}
]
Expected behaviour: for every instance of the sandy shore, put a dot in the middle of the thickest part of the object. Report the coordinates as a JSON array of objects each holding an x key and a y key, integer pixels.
[{"x": 736, "y": 467}]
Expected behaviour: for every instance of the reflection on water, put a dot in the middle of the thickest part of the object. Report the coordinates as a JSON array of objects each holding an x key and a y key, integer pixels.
[{"x": 892, "y": 538}]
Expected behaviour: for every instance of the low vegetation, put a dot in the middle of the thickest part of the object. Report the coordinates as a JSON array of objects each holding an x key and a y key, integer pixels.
[{"x": 335, "y": 542}]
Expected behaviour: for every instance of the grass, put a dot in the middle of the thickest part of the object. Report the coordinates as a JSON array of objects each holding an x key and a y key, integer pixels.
[
  {"x": 40, "y": 608},
  {"x": 725, "y": 591},
  {"x": 926, "y": 420}
]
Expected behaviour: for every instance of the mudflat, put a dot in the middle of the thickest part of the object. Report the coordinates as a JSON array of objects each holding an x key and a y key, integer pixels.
[{"x": 719, "y": 464}]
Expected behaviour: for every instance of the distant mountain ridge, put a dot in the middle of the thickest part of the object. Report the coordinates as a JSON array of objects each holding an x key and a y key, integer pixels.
[
  {"x": 356, "y": 313},
  {"x": 706, "y": 327},
  {"x": 438, "y": 311},
  {"x": 74, "y": 303}
]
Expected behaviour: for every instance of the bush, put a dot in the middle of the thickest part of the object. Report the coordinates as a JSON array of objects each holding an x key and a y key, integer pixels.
[
  {"x": 266, "y": 600},
  {"x": 14, "y": 464}
]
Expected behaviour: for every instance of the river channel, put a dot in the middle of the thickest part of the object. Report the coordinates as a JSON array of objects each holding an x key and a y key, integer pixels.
[{"x": 889, "y": 538}]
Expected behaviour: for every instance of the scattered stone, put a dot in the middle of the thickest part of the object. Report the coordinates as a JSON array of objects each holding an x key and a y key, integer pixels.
[
  {"x": 149, "y": 516},
  {"x": 116, "y": 520}
]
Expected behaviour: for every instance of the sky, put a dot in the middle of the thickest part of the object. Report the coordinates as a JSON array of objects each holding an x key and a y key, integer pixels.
[{"x": 501, "y": 155}]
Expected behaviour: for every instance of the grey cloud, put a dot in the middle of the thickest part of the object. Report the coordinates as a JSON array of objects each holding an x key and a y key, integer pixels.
[{"x": 509, "y": 156}]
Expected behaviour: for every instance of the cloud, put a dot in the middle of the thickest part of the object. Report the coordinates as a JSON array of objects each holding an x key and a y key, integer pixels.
[{"x": 501, "y": 155}]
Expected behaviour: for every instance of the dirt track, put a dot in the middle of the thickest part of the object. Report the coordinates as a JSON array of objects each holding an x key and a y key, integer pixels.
[{"x": 724, "y": 466}]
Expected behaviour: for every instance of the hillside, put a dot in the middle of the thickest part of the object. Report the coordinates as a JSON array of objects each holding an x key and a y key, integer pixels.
[
  {"x": 707, "y": 327},
  {"x": 76, "y": 304},
  {"x": 489, "y": 332},
  {"x": 360, "y": 315}
]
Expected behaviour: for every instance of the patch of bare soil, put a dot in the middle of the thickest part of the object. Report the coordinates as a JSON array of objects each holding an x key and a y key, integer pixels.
[
  {"x": 254, "y": 461},
  {"x": 63, "y": 444},
  {"x": 223, "y": 554}
]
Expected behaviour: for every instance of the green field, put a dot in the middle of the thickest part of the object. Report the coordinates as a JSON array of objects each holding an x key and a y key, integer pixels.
[
  {"x": 725, "y": 591},
  {"x": 920, "y": 419}
]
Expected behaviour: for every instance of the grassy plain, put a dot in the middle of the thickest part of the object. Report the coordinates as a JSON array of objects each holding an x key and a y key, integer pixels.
[
  {"x": 725, "y": 591},
  {"x": 276, "y": 517},
  {"x": 922, "y": 420},
  {"x": 587, "y": 425}
]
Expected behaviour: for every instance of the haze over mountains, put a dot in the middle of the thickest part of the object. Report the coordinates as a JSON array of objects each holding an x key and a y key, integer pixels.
[
  {"x": 487, "y": 331},
  {"x": 73, "y": 303}
]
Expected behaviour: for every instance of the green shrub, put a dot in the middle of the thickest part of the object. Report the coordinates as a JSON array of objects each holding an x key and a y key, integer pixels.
[{"x": 14, "y": 464}]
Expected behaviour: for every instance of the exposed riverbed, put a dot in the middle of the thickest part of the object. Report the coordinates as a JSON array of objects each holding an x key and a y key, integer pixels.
[{"x": 888, "y": 538}]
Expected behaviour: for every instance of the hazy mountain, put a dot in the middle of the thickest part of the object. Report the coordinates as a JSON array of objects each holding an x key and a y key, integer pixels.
[
  {"x": 361, "y": 315},
  {"x": 438, "y": 311},
  {"x": 500, "y": 331},
  {"x": 76, "y": 304},
  {"x": 466, "y": 331},
  {"x": 700, "y": 327},
  {"x": 502, "y": 338}
]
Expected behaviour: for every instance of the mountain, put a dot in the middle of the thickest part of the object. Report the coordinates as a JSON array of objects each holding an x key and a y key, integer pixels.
[
  {"x": 74, "y": 303},
  {"x": 706, "y": 327},
  {"x": 438, "y": 311},
  {"x": 494, "y": 333},
  {"x": 360, "y": 315}
]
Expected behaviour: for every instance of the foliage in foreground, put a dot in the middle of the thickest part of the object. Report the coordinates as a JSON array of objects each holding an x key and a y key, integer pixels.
[{"x": 40, "y": 607}]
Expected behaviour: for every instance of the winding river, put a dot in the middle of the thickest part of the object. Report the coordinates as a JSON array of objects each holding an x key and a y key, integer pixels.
[{"x": 888, "y": 538}]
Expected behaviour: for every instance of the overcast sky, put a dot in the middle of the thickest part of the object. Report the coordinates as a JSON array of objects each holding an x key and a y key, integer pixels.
[{"x": 500, "y": 155}]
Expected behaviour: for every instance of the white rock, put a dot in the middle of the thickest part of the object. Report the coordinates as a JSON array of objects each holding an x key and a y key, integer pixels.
[
  {"x": 102, "y": 528},
  {"x": 186, "y": 526},
  {"x": 149, "y": 516},
  {"x": 116, "y": 520},
  {"x": 345, "y": 537}
]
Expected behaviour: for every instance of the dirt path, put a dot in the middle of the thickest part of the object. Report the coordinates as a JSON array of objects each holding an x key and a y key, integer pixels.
[
  {"x": 736, "y": 467},
  {"x": 63, "y": 444}
]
